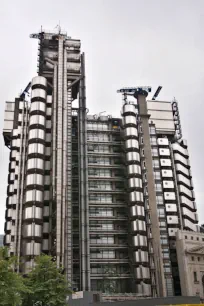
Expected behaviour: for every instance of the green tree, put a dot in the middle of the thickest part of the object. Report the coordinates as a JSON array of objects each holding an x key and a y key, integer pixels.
[
  {"x": 12, "y": 286},
  {"x": 46, "y": 284}
]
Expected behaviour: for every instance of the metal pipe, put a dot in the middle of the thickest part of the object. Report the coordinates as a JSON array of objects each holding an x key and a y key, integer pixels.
[
  {"x": 64, "y": 160},
  {"x": 81, "y": 193},
  {"x": 25, "y": 128},
  {"x": 59, "y": 152},
  {"x": 87, "y": 243}
]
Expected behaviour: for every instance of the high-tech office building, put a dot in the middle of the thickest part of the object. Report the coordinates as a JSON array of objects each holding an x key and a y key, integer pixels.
[{"x": 104, "y": 196}]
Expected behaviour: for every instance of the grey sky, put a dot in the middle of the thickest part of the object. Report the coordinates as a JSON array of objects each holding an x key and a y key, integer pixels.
[{"x": 127, "y": 43}]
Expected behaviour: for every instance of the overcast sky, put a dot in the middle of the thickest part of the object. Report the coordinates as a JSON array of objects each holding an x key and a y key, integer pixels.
[{"x": 127, "y": 43}]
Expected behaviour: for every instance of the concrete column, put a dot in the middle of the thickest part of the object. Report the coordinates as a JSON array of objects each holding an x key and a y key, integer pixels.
[{"x": 144, "y": 117}]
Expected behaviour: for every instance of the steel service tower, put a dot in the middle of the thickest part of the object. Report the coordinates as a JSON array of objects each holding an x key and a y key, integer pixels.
[{"x": 103, "y": 196}]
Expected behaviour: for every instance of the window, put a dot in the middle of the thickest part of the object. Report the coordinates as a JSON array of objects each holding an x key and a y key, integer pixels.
[
  {"x": 155, "y": 163},
  {"x": 186, "y": 237},
  {"x": 195, "y": 276},
  {"x": 159, "y": 199},
  {"x": 198, "y": 238},
  {"x": 191, "y": 237},
  {"x": 192, "y": 258},
  {"x": 157, "y": 175},
  {"x": 154, "y": 152},
  {"x": 198, "y": 258},
  {"x": 202, "y": 239},
  {"x": 152, "y": 130},
  {"x": 153, "y": 141},
  {"x": 158, "y": 186},
  {"x": 161, "y": 212}
]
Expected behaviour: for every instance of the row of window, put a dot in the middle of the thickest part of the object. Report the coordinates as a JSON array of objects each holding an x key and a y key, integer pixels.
[
  {"x": 105, "y": 172},
  {"x": 105, "y": 198},
  {"x": 106, "y": 185},
  {"x": 104, "y": 160},
  {"x": 107, "y": 254},
  {"x": 103, "y": 148}
]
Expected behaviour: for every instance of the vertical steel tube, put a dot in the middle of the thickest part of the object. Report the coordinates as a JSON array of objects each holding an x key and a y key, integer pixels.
[
  {"x": 25, "y": 133},
  {"x": 87, "y": 242},
  {"x": 64, "y": 153},
  {"x": 59, "y": 152}
]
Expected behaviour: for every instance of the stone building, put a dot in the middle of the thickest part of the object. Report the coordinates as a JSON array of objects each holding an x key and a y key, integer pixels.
[{"x": 190, "y": 254}]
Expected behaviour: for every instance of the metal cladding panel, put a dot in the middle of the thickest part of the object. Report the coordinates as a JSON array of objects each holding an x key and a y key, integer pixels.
[
  {"x": 33, "y": 213},
  {"x": 187, "y": 202},
  {"x": 138, "y": 225},
  {"x": 32, "y": 248},
  {"x": 45, "y": 227},
  {"x": 182, "y": 159},
  {"x": 34, "y": 179},
  {"x": 134, "y": 182},
  {"x": 172, "y": 231},
  {"x": 37, "y": 106},
  {"x": 39, "y": 92},
  {"x": 35, "y": 163},
  {"x": 139, "y": 241},
  {"x": 32, "y": 230},
  {"x": 168, "y": 184},
  {"x": 164, "y": 152},
  {"x": 34, "y": 195},
  {"x": 75, "y": 67},
  {"x": 130, "y": 120},
  {"x": 136, "y": 196},
  {"x": 186, "y": 191},
  {"x": 129, "y": 108},
  {"x": 73, "y": 43},
  {"x": 141, "y": 256},
  {"x": 171, "y": 207},
  {"x": 167, "y": 173},
  {"x": 169, "y": 196},
  {"x": 8, "y": 225},
  {"x": 142, "y": 273},
  {"x": 48, "y": 137},
  {"x": 163, "y": 141},
  {"x": 132, "y": 144},
  {"x": 187, "y": 223},
  {"x": 37, "y": 119},
  {"x": 133, "y": 156},
  {"x": 144, "y": 289},
  {"x": 39, "y": 80},
  {"x": 48, "y": 124},
  {"x": 45, "y": 245},
  {"x": 9, "y": 212},
  {"x": 132, "y": 169},
  {"x": 165, "y": 162},
  {"x": 7, "y": 239},
  {"x": 186, "y": 212},
  {"x": 47, "y": 151},
  {"x": 46, "y": 195},
  {"x": 46, "y": 211},
  {"x": 47, "y": 165},
  {"x": 172, "y": 220},
  {"x": 182, "y": 169},
  {"x": 184, "y": 180},
  {"x": 48, "y": 111},
  {"x": 36, "y": 148},
  {"x": 159, "y": 105},
  {"x": 47, "y": 180},
  {"x": 179, "y": 148},
  {"x": 131, "y": 131}
]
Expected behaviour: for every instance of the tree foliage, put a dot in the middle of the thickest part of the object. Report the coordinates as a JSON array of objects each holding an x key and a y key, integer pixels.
[
  {"x": 12, "y": 286},
  {"x": 47, "y": 284}
]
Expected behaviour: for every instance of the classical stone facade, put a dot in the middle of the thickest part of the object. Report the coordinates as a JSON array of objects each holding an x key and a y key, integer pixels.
[{"x": 190, "y": 253}]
